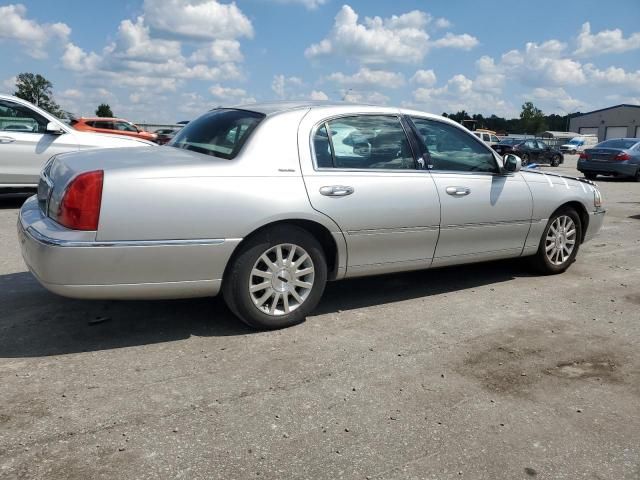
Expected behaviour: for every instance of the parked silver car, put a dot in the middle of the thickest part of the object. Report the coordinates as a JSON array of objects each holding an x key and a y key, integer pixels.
[
  {"x": 267, "y": 202},
  {"x": 29, "y": 136}
]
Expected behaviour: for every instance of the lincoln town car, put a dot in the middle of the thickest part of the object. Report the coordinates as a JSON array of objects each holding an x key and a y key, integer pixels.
[{"x": 265, "y": 203}]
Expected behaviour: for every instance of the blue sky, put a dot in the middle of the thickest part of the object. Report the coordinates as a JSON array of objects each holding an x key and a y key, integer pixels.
[{"x": 169, "y": 60}]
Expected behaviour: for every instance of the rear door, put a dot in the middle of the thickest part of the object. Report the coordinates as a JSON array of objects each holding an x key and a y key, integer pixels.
[
  {"x": 24, "y": 144},
  {"x": 360, "y": 170},
  {"x": 531, "y": 148},
  {"x": 484, "y": 214}
]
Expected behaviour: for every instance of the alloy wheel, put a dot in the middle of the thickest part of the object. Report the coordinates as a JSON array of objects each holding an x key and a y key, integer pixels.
[
  {"x": 281, "y": 279},
  {"x": 560, "y": 240}
]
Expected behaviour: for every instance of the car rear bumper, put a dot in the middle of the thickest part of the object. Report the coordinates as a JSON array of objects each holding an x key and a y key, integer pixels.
[
  {"x": 71, "y": 264},
  {"x": 610, "y": 168}
]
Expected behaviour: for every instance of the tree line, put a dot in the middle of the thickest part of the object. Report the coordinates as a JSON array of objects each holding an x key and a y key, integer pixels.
[{"x": 532, "y": 120}]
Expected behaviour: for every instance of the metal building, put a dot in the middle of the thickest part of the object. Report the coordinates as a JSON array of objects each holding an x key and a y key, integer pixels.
[{"x": 611, "y": 122}]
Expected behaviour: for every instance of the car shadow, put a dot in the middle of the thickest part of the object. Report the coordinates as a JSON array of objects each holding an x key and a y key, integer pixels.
[
  {"x": 14, "y": 200},
  {"x": 37, "y": 323}
]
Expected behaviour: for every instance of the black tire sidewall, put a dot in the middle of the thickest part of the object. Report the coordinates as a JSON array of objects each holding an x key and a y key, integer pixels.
[
  {"x": 235, "y": 287},
  {"x": 543, "y": 263}
]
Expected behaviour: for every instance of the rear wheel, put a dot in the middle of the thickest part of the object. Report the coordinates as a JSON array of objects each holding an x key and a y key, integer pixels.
[
  {"x": 277, "y": 278},
  {"x": 559, "y": 243},
  {"x": 590, "y": 175},
  {"x": 555, "y": 161},
  {"x": 637, "y": 176}
]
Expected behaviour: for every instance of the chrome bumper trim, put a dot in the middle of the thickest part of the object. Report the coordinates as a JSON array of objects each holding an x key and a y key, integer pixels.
[{"x": 55, "y": 242}]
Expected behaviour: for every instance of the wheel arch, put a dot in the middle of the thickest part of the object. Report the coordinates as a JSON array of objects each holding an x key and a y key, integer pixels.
[
  {"x": 333, "y": 252},
  {"x": 582, "y": 213}
]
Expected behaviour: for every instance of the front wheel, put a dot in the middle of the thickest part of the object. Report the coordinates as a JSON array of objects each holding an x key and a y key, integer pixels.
[
  {"x": 559, "y": 243},
  {"x": 276, "y": 279},
  {"x": 555, "y": 161}
]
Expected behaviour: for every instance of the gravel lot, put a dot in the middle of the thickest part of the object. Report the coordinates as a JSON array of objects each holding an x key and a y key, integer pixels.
[{"x": 470, "y": 372}]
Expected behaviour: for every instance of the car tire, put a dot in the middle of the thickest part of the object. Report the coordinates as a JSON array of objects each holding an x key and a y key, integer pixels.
[
  {"x": 555, "y": 161},
  {"x": 636, "y": 177},
  {"x": 590, "y": 175},
  {"x": 525, "y": 159},
  {"x": 559, "y": 243},
  {"x": 572, "y": 152},
  {"x": 266, "y": 260}
]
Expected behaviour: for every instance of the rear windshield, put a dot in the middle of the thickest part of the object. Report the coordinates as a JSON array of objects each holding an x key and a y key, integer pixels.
[
  {"x": 618, "y": 143},
  {"x": 220, "y": 133}
]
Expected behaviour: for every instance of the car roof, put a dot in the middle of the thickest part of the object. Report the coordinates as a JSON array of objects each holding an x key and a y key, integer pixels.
[
  {"x": 103, "y": 118},
  {"x": 270, "y": 108}
]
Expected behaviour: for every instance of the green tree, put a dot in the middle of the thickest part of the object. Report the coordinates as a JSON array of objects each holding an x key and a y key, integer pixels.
[
  {"x": 36, "y": 89},
  {"x": 104, "y": 110},
  {"x": 532, "y": 119}
]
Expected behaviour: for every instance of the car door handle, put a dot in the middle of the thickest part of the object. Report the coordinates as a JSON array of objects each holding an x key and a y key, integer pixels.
[
  {"x": 458, "y": 191},
  {"x": 336, "y": 190},
  {"x": 7, "y": 139}
]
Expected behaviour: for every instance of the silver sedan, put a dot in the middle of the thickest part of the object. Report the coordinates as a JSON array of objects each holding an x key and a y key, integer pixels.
[{"x": 266, "y": 203}]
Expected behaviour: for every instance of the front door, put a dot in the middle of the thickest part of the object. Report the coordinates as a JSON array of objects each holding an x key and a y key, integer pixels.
[
  {"x": 485, "y": 215},
  {"x": 361, "y": 171},
  {"x": 24, "y": 144}
]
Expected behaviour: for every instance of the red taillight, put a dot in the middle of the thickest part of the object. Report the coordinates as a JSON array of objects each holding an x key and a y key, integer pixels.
[
  {"x": 622, "y": 156},
  {"x": 80, "y": 205},
  {"x": 584, "y": 156}
]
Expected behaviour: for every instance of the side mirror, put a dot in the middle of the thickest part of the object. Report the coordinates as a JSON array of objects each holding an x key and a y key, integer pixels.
[
  {"x": 54, "y": 129},
  {"x": 512, "y": 163}
]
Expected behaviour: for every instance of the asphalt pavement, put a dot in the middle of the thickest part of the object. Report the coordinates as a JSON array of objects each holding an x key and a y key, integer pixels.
[{"x": 477, "y": 372}]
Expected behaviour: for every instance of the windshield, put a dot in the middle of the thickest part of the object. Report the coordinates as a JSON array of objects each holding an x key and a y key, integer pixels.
[
  {"x": 220, "y": 133},
  {"x": 618, "y": 143},
  {"x": 576, "y": 141}
]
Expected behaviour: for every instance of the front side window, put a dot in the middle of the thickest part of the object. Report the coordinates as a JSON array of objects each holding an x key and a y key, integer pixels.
[
  {"x": 220, "y": 133},
  {"x": 494, "y": 139},
  {"x": 450, "y": 148},
  {"x": 18, "y": 118},
  {"x": 530, "y": 144},
  {"x": 541, "y": 144},
  {"x": 125, "y": 127},
  {"x": 363, "y": 142}
]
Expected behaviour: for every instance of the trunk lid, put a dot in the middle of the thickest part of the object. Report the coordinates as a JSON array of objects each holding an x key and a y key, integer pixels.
[{"x": 603, "y": 154}]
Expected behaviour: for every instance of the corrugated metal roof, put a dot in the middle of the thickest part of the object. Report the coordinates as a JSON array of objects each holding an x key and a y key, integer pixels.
[{"x": 607, "y": 108}]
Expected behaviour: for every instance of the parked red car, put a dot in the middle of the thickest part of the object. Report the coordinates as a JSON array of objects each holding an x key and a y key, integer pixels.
[{"x": 116, "y": 126}]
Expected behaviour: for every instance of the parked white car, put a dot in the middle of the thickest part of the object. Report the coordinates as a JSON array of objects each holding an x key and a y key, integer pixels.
[{"x": 29, "y": 136}]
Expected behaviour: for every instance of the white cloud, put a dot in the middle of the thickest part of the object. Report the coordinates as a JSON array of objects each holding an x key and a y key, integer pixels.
[
  {"x": 462, "y": 42},
  {"x": 197, "y": 19},
  {"x": 366, "y": 77},
  {"x": 373, "y": 98},
  {"x": 225, "y": 93},
  {"x": 490, "y": 77},
  {"x": 9, "y": 85},
  {"x": 76, "y": 59},
  {"x": 442, "y": 23},
  {"x": 424, "y": 77},
  {"x": 133, "y": 42},
  {"x": 396, "y": 39},
  {"x": 318, "y": 95},
  {"x": 35, "y": 37},
  {"x": 460, "y": 93},
  {"x": 310, "y": 4},
  {"x": 282, "y": 85},
  {"x": 219, "y": 51},
  {"x": 613, "y": 76},
  {"x": 606, "y": 41},
  {"x": 543, "y": 64},
  {"x": 552, "y": 99}
]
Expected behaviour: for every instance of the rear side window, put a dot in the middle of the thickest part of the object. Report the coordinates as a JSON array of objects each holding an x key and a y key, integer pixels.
[
  {"x": 451, "y": 148},
  {"x": 363, "y": 142},
  {"x": 220, "y": 133}
]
